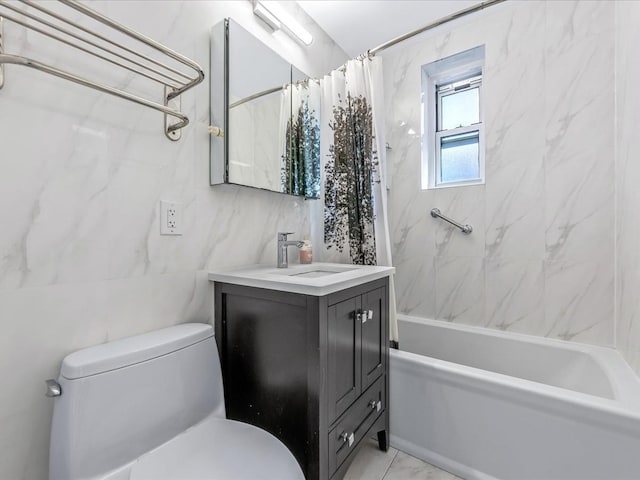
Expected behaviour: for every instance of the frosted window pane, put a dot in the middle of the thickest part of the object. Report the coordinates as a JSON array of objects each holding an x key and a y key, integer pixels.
[
  {"x": 460, "y": 109},
  {"x": 459, "y": 157}
]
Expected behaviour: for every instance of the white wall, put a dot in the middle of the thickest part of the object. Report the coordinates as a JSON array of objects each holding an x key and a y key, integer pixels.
[
  {"x": 82, "y": 174},
  {"x": 628, "y": 182},
  {"x": 541, "y": 257}
]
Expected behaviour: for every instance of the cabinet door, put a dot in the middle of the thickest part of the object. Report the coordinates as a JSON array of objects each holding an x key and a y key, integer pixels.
[
  {"x": 374, "y": 335},
  {"x": 344, "y": 338}
]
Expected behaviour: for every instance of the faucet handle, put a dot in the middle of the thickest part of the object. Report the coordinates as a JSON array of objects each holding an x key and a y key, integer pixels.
[{"x": 283, "y": 235}]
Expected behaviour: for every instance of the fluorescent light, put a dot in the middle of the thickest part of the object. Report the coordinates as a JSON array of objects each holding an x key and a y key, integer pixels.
[
  {"x": 266, "y": 16},
  {"x": 278, "y": 15}
]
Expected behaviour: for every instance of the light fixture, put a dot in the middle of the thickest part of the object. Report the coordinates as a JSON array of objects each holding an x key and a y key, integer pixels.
[
  {"x": 277, "y": 17},
  {"x": 266, "y": 16}
]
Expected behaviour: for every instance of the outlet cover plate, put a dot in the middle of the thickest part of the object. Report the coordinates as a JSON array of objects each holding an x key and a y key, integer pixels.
[{"x": 170, "y": 218}]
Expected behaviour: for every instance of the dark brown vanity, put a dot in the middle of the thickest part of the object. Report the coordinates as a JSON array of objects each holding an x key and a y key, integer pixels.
[{"x": 309, "y": 368}]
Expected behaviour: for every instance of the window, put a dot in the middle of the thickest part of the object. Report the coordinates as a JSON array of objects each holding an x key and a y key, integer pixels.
[{"x": 452, "y": 133}]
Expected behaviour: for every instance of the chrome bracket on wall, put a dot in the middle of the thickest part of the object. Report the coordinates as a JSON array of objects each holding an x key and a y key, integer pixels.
[
  {"x": 1, "y": 52},
  {"x": 170, "y": 130}
]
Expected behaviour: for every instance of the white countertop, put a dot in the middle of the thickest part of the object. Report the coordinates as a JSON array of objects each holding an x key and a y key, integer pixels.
[{"x": 317, "y": 279}]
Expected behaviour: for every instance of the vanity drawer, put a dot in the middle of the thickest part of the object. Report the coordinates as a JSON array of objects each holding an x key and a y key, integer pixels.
[{"x": 355, "y": 422}]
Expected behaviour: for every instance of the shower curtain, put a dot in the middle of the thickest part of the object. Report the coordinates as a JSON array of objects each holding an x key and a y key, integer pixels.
[{"x": 354, "y": 167}]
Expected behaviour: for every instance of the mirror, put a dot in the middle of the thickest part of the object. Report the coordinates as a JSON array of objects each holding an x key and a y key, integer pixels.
[{"x": 269, "y": 112}]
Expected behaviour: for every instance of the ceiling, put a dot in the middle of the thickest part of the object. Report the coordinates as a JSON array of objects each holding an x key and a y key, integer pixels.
[{"x": 359, "y": 25}]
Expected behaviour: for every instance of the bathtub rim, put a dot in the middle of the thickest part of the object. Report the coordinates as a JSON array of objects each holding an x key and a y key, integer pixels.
[
  {"x": 580, "y": 407},
  {"x": 624, "y": 382},
  {"x": 556, "y": 402}
]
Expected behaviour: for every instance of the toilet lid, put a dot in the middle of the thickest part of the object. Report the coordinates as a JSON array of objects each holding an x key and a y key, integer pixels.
[{"x": 219, "y": 449}]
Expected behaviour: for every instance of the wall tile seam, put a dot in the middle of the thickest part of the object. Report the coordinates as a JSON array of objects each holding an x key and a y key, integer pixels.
[
  {"x": 615, "y": 177},
  {"x": 96, "y": 282},
  {"x": 544, "y": 181}
]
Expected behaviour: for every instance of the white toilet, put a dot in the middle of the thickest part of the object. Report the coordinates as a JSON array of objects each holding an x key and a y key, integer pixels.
[{"x": 151, "y": 407}]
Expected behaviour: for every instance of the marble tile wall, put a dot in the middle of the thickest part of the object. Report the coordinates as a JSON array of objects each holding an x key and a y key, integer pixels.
[
  {"x": 541, "y": 257},
  {"x": 82, "y": 174},
  {"x": 627, "y": 181}
]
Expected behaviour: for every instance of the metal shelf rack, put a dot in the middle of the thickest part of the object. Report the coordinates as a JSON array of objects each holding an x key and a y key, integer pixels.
[{"x": 169, "y": 70}]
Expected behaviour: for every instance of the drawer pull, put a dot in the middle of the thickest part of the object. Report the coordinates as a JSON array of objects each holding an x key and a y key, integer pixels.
[
  {"x": 370, "y": 314},
  {"x": 377, "y": 406},
  {"x": 347, "y": 438}
]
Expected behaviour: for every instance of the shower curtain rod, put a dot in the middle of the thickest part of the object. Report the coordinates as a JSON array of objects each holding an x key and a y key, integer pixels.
[
  {"x": 437, "y": 23},
  {"x": 370, "y": 53}
]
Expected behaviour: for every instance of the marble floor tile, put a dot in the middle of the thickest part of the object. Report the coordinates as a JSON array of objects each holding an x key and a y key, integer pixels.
[
  {"x": 373, "y": 464},
  {"x": 406, "y": 467}
]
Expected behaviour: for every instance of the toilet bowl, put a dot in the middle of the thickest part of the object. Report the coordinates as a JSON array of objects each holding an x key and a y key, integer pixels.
[{"x": 151, "y": 407}]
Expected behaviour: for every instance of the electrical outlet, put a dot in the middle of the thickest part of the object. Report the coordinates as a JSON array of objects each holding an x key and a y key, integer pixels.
[{"x": 170, "y": 218}]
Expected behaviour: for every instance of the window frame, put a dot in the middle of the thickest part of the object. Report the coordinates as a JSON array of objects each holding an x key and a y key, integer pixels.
[
  {"x": 471, "y": 72},
  {"x": 452, "y": 88}
]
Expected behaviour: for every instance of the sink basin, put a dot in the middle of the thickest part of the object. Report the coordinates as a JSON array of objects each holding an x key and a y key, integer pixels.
[
  {"x": 313, "y": 279},
  {"x": 311, "y": 271},
  {"x": 313, "y": 274}
]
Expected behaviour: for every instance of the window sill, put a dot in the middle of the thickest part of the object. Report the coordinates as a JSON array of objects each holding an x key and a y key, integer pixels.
[{"x": 473, "y": 183}]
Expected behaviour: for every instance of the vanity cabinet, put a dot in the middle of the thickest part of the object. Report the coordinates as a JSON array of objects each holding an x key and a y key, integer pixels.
[{"x": 311, "y": 370}]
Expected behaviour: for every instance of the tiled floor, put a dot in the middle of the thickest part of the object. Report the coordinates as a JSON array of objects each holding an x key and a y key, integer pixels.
[{"x": 373, "y": 464}]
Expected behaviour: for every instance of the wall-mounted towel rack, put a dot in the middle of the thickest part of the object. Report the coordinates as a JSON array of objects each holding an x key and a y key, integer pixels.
[{"x": 168, "y": 70}]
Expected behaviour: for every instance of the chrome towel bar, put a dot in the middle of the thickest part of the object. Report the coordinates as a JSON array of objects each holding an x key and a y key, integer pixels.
[
  {"x": 466, "y": 229},
  {"x": 167, "y": 70}
]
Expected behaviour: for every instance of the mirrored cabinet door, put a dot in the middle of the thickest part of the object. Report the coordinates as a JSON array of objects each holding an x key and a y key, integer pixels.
[{"x": 269, "y": 112}]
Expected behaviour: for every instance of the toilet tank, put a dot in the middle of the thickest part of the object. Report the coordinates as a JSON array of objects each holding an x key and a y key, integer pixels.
[{"x": 126, "y": 397}]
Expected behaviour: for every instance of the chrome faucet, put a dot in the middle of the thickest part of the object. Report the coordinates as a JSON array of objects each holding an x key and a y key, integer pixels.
[{"x": 283, "y": 248}]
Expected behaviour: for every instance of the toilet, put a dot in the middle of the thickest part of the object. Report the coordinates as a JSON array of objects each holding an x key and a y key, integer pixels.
[{"x": 151, "y": 407}]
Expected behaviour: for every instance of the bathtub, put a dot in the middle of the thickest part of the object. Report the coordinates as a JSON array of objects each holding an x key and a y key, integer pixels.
[{"x": 486, "y": 404}]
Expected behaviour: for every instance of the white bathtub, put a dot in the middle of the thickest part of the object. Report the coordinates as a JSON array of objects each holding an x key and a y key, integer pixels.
[{"x": 485, "y": 404}]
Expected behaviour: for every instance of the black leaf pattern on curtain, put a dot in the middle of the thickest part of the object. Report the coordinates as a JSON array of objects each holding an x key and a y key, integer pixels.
[
  {"x": 349, "y": 170},
  {"x": 300, "y": 174}
]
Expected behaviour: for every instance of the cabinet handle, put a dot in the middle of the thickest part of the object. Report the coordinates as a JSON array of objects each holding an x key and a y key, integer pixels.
[
  {"x": 364, "y": 316},
  {"x": 347, "y": 438},
  {"x": 377, "y": 406}
]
